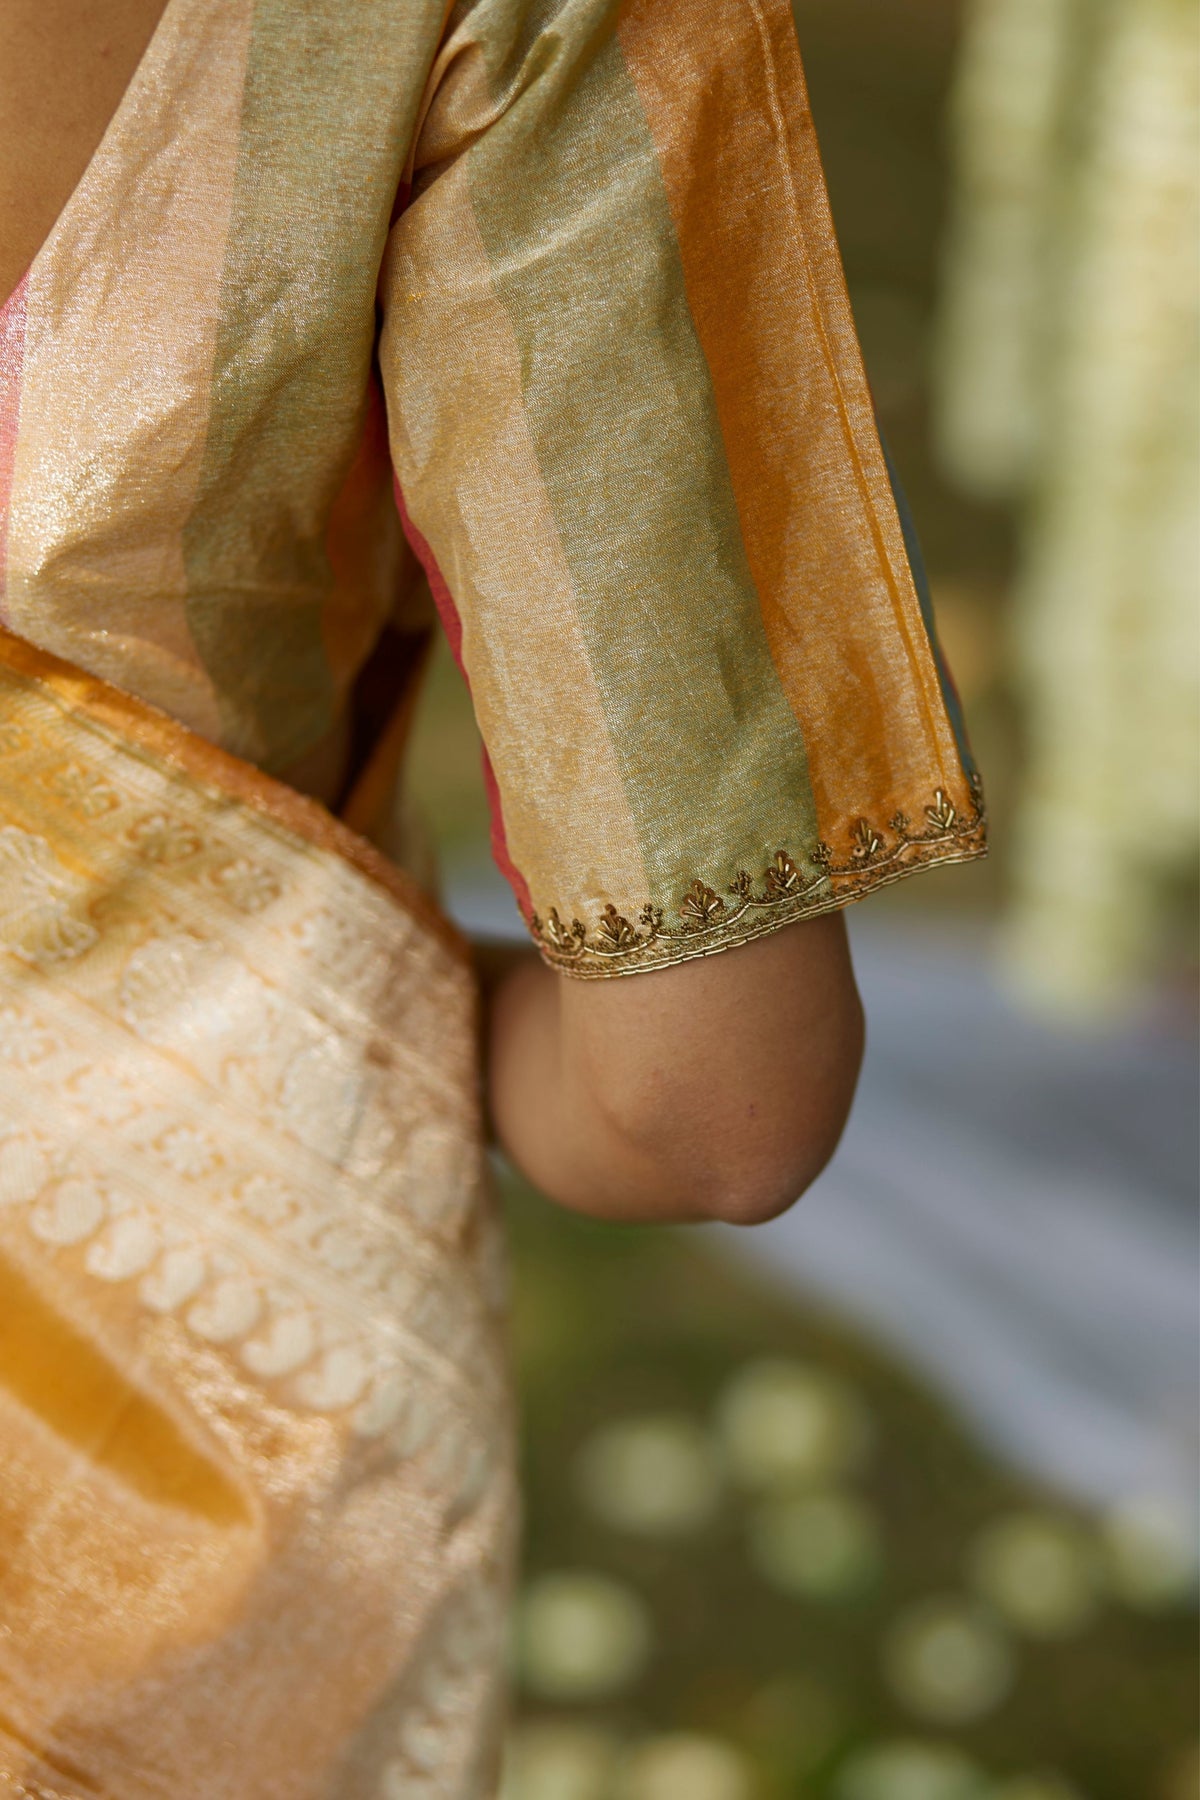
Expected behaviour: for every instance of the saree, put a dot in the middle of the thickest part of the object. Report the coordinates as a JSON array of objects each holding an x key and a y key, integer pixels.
[
  {"x": 256, "y": 1428},
  {"x": 546, "y": 297}
]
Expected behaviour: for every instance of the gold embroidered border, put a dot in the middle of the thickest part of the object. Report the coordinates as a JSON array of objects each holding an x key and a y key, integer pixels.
[{"x": 709, "y": 921}]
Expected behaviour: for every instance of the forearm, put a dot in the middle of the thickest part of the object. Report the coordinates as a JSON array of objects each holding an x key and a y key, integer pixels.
[
  {"x": 551, "y": 1124},
  {"x": 712, "y": 1090}
]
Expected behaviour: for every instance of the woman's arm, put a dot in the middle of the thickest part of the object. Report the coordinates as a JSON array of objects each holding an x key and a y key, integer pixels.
[{"x": 716, "y": 1089}]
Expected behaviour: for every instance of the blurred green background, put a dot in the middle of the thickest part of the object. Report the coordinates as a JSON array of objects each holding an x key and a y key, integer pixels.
[{"x": 766, "y": 1555}]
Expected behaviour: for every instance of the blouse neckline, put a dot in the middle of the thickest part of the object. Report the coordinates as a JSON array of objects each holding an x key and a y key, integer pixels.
[{"x": 147, "y": 64}]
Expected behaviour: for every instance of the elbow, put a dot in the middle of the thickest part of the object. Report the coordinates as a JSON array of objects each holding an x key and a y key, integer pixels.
[
  {"x": 756, "y": 1175},
  {"x": 765, "y": 1186},
  {"x": 737, "y": 1139},
  {"x": 709, "y": 1167}
]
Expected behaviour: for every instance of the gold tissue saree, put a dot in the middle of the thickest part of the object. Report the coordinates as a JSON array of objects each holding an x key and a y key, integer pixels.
[{"x": 256, "y": 1503}]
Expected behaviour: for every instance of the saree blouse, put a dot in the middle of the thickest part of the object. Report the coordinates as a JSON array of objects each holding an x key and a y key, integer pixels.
[{"x": 553, "y": 289}]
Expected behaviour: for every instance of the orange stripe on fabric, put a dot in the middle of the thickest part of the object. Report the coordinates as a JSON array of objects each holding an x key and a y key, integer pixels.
[
  {"x": 729, "y": 116},
  {"x": 88, "y": 1401}
]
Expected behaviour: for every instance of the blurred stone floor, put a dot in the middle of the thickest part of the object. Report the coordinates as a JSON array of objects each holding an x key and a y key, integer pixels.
[
  {"x": 1013, "y": 1207},
  {"x": 1012, "y": 1210}
]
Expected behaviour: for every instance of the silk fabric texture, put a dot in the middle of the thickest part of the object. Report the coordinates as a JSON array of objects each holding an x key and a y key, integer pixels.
[
  {"x": 256, "y": 1496},
  {"x": 554, "y": 286},
  {"x": 566, "y": 272}
]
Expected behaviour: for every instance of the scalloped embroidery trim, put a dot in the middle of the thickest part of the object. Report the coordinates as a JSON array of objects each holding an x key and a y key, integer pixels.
[{"x": 709, "y": 921}]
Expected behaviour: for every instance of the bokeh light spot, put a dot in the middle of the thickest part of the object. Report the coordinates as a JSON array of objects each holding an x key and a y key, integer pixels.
[
  {"x": 558, "y": 1760},
  {"x": 1039, "y": 1570},
  {"x": 785, "y": 1424},
  {"x": 948, "y": 1661},
  {"x": 581, "y": 1635},
  {"x": 655, "y": 1476},
  {"x": 821, "y": 1546},
  {"x": 686, "y": 1766},
  {"x": 909, "y": 1769},
  {"x": 1149, "y": 1545}
]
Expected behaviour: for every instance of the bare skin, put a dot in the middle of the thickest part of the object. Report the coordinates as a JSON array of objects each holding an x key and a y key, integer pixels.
[
  {"x": 716, "y": 1089},
  {"x": 64, "y": 65}
]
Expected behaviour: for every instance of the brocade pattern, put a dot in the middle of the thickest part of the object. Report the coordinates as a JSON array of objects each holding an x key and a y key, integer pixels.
[{"x": 239, "y": 1120}]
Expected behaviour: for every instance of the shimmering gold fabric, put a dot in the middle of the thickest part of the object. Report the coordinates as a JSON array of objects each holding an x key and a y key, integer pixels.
[
  {"x": 649, "y": 489},
  {"x": 256, "y": 1503},
  {"x": 561, "y": 274},
  {"x": 566, "y": 272}
]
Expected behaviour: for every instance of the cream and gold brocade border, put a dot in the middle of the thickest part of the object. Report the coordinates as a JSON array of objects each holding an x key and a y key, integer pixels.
[{"x": 253, "y": 1398}]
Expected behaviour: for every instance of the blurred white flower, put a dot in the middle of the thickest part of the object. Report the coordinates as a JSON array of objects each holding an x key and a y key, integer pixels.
[
  {"x": 1150, "y": 1553},
  {"x": 784, "y": 1424},
  {"x": 581, "y": 1636},
  {"x": 1039, "y": 1570},
  {"x": 656, "y": 1476},
  {"x": 686, "y": 1766},
  {"x": 556, "y": 1760},
  {"x": 1042, "y": 1784},
  {"x": 947, "y": 1661},
  {"x": 911, "y": 1770},
  {"x": 822, "y": 1545}
]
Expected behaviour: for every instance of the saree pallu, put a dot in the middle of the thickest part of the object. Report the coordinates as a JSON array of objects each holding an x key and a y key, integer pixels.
[{"x": 257, "y": 1496}]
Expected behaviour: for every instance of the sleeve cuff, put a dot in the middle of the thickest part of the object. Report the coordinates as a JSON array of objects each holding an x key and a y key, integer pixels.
[{"x": 794, "y": 885}]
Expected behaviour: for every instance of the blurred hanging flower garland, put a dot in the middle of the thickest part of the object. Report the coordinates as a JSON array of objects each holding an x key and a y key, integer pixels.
[{"x": 1068, "y": 366}]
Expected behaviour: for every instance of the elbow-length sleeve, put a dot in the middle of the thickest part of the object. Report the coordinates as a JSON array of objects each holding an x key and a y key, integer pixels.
[{"x": 635, "y": 449}]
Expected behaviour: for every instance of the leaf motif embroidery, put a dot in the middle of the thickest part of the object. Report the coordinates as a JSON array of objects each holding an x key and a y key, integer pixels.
[
  {"x": 796, "y": 887},
  {"x": 783, "y": 877},
  {"x": 616, "y": 930},
  {"x": 701, "y": 906},
  {"x": 941, "y": 814},
  {"x": 867, "y": 843}
]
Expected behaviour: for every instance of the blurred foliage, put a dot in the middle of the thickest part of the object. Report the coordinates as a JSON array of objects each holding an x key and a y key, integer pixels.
[{"x": 974, "y": 1615}]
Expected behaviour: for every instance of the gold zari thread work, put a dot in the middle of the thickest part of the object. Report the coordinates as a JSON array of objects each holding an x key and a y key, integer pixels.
[{"x": 787, "y": 889}]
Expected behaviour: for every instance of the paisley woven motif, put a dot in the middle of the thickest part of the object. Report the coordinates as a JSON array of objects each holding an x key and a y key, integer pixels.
[{"x": 241, "y": 1163}]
